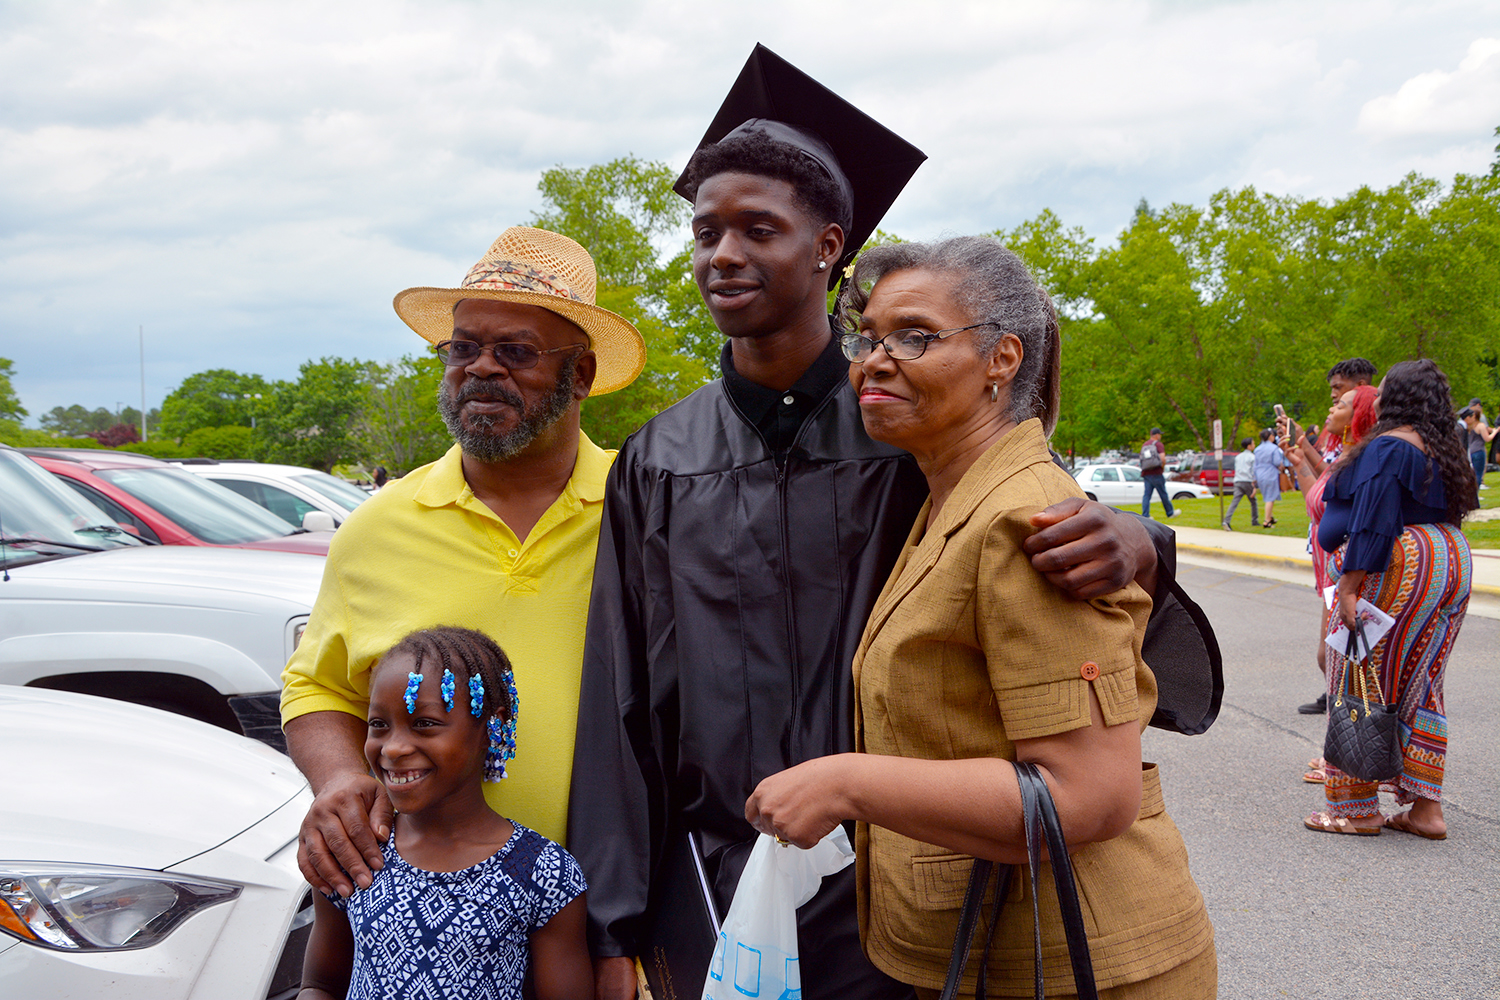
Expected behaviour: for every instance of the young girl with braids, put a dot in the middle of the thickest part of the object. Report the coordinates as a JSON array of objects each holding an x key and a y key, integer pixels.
[{"x": 467, "y": 903}]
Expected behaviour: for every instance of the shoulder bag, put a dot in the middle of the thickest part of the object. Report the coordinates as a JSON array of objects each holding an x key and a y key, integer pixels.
[
  {"x": 1363, "y": 736},
  {"x": 1041, "y": 820}
]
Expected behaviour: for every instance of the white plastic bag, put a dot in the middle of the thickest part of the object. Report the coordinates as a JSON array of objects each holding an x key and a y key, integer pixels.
[{"x": 756, "y": 956}]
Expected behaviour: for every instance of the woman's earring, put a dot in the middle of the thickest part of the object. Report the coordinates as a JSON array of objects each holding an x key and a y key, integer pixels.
[
  {"x": 822, "y": 265},
  {"x": 994, "y": 392}
]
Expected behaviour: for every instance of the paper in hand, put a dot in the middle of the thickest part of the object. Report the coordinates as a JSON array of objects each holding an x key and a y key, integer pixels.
[{"x": 1374, "y": 625}]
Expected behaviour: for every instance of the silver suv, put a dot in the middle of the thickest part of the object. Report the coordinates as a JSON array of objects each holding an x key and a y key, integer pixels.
[{"x": 85, "y": 606}]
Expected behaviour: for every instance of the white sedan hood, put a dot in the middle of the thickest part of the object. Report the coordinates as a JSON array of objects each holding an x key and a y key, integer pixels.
[
  {"x": 104, "y": 782},
  {"x": 181, "y": 571}
]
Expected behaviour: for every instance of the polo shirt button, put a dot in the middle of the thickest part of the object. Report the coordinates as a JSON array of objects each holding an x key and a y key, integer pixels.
[
  {"x": 788, "y": 399},
  {"x": 1089, "y": 671},
  {"x": 514, "y": 553}
]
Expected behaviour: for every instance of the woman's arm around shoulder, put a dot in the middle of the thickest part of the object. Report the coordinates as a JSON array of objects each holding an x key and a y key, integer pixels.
[
  {"x": 560, "y": 962},
  {"x": 330, "y": 953}
]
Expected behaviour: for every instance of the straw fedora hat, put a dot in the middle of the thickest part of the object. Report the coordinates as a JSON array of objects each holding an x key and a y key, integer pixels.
[{"x": 536, "y": 268}]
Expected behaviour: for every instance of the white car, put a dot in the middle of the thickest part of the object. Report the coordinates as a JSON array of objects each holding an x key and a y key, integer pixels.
[
  {"x": 288, "y": 491},
  {"x": 1122, "y": 486},
  {"x": 145, "y": 855},
  {"x": 84, "y": 606}
]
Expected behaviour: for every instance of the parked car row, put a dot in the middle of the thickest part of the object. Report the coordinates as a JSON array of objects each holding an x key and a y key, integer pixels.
[
  {"x": 159, "y": 502},
  {"x": 288, "y": 491},
  {"x": 88, "y": 605},
  {"x": 1123, "y": 485},
  {"x": 144, "y": 854}
]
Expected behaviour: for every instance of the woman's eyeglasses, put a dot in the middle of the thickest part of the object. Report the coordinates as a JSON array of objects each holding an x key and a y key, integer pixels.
[
  {"x": 902, "y": 345},
  {"x": 516, "y": 357}
]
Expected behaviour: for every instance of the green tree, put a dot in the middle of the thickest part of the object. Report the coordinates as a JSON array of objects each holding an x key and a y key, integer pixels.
[
  {"x": 311, "y": 421},
  {"x": 75, "y": 421},
  {"x": 10, "y": 403},
  {"x": 620, "y": 211},
  {"x": 398, "y": 425},
  {"x": 616, "y": 210},
  {"x": 215, "y": 398},
  {"x": 670, "y": 374},
  {"x": 222, "y": 442}
]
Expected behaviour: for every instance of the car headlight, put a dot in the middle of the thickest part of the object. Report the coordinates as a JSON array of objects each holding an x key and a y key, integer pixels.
[{"x": 84, "y": 908}]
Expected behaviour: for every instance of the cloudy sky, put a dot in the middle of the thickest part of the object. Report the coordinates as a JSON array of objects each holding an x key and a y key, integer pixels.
[{"x": 251, "y": 182}]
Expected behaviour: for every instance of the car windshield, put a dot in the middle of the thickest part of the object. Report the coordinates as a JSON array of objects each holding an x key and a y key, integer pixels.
[
  {"x": 209, "y": 511},
  {"x": 42, "y": 519},
  {"x": 344, "y": 494}
]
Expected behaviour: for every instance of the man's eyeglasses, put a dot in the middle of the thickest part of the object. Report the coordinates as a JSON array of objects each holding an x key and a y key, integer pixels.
[
  {"x": 902, "y": 345},
  {"x": 516, "y": 357}
]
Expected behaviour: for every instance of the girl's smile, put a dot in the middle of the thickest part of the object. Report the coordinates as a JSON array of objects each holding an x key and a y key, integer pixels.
[{"x": 429, "y": 755}]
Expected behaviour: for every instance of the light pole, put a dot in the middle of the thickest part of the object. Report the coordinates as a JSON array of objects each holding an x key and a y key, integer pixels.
[
  {"x": 141, "y": 331},
  {"x": 251, "y": 395}
]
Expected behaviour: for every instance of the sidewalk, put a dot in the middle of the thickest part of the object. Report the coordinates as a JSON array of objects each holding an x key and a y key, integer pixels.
[{"x": 1286, "y": 559}]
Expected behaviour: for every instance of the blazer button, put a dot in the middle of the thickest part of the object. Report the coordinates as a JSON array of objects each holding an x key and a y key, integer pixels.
[{"x": 1089, "y": 671}]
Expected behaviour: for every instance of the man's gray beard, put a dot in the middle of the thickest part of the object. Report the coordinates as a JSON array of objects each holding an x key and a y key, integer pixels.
[{"x": 479, "y": 439}]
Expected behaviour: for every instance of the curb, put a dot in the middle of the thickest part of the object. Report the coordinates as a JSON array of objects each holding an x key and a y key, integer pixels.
[
  {"x": 1285, "y": 562},
  {"x": 1231, "y": 555}
]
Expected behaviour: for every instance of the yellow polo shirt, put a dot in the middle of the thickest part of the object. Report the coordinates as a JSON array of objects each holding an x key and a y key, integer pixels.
[{"x": 423, "y": 552}]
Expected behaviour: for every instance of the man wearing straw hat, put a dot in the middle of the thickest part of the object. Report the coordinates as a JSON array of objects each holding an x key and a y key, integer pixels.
[{"x": 497, "y": 535}]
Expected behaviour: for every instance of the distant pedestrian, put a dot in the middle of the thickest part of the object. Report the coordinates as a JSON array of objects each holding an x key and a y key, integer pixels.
[
  {"x": 1153, "y": 471},
  {"x": 1477, "y": 434},
  {"x": 1269, "y": 461},
  {"x": 1244, "y": 484}
]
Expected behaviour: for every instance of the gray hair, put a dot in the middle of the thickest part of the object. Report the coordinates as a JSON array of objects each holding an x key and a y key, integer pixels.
[{"x": 994, "y": 286}]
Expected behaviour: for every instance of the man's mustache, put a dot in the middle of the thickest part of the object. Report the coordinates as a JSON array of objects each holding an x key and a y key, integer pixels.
[{"x": 476, "y": 388}]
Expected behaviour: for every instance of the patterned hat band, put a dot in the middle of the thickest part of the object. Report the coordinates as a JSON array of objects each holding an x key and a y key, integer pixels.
[{"x": 514, "y": 276}]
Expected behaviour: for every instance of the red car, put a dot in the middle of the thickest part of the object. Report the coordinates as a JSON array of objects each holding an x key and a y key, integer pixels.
[
  {"x": 1205, "y": 471},
  {"x": 161, "y": 503}
]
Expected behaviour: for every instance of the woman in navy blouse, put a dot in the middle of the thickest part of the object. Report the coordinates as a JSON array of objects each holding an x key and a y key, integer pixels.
[{"x": 1394, "y": 503}]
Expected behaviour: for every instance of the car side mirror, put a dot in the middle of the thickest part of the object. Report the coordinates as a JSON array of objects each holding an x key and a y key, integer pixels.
[{"x": 318, "y": 520}]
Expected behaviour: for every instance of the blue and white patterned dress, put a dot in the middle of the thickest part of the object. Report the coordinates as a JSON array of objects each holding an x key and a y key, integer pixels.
[{"x": 420, "y": 934}]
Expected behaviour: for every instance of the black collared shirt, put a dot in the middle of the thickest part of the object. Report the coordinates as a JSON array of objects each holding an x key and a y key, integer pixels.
[{"x": 778, "y": 415}]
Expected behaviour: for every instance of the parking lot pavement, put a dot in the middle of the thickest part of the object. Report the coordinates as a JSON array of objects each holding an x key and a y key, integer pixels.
[{"x": 1310, "y": 915}]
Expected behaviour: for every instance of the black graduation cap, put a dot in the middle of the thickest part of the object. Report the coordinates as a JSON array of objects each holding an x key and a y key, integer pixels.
[{"x": 870, "y": 160}]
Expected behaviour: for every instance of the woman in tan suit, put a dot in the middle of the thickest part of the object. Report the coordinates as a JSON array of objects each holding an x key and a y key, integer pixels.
[{"x": 972, "y": 660}]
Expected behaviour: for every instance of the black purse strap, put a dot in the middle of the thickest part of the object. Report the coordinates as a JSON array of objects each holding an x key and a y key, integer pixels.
[
  {"x": 1041, "y": 820},
  {"x": 1067, "y": 888}
]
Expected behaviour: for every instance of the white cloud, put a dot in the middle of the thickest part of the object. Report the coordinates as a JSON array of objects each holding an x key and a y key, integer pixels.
[
  {"x": 254, "y": 180},
  {"x": 1459, "y": 103}
]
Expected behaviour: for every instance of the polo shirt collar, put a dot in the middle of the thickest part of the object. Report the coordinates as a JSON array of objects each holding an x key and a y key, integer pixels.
[{"x": 445, "y": 484}]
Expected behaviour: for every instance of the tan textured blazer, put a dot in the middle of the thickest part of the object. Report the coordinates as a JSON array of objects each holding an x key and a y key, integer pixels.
[{"x": 968, "y": 650}]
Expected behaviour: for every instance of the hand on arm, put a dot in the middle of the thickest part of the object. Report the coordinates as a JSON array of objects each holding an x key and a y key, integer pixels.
[
  {"x": 969, "y": 806},
  {"x": 339, "y": 846},
  {"x": 560, "y": 957},
  {"x": 1088, "y": 550},
  {"x": 330, "y": 953}
]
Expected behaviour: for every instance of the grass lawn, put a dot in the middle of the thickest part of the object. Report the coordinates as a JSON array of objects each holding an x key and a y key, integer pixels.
[{"x": 1291, "y": 515}]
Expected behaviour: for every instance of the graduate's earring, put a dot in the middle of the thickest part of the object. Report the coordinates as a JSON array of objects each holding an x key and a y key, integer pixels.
[{"x": 994, "y": 392}]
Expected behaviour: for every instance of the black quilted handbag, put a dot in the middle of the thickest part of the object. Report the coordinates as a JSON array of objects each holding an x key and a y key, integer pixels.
[{"x": 1364, "y": 739}]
